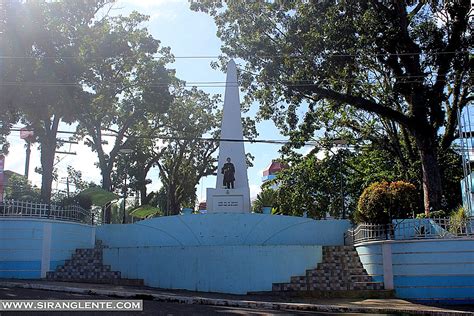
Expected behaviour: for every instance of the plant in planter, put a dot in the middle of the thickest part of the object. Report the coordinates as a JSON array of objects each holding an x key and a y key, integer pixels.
[{"x": 265, "y": 201}]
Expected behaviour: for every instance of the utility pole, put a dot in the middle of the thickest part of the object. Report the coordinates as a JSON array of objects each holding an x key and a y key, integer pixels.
[
  {"x": 28, "y": 135},
  {"x": 67, "y": 186},
  {"x": 27, "y": 161},
  {"x": 125, "y": 151}
]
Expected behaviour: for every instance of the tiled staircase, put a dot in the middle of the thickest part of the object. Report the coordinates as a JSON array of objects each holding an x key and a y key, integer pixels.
[
  {"x": 86, "y": 265},
  {"x": 340, "y": 271}
]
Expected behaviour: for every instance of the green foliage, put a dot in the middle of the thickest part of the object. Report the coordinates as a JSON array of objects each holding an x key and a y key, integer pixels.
[
  {"x": 83, "y": 201},
  {"x": 316, "y": 186},
  {"x": 383, "y": 201},
  {"x": 43, "y": 82},
  {"x": 435, "y": 214},
  {"x": 19, "y": 188},
  {"x": 129, "y": 89},
  {"x": 184, "y": 158},
  {"x": 266, "y": 198},
  {"x": 458, "y": 220},
  {"x": 362, "y": 69}
]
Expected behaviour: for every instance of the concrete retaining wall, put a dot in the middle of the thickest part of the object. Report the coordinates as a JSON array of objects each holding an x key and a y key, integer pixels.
[
  {"x": 424, "y": 270},
  {"x": 31, "y": 247},
  {"x": 225, "y": 269},
  {"x": 228, "y": 253}
]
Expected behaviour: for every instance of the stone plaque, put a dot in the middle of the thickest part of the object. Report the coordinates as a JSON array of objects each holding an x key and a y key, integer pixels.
[{"x": 228, "y": 203}]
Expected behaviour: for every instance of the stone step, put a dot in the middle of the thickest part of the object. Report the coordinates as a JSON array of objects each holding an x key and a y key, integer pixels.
[
  {"x": 86, "y": 265},
  {"x": 362, "y": 294},
  {"x": 85, "y": 255},
  {"x": 82, "y": 262},
  {"x": 116, "y": 281},
  {"x": 83, "y": 275},
  {"x": 360, "y": 278},
  {"x": 340, "y": 270},
  {"x": 367, "y": 285},
  {"x": 334, "y": 271}
]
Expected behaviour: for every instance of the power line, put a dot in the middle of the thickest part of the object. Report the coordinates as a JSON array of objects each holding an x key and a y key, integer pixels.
[
  {"x": 222, "y": 84},
  {"x": 213, "y": 139},
  {"x": 206, "y": 139},
  {"x": 261, "y": 56}
]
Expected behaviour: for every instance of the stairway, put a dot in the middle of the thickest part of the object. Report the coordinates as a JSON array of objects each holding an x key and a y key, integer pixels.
[
  {"x": 86, "y": 266},
  {"x": 340, "y": 271}
]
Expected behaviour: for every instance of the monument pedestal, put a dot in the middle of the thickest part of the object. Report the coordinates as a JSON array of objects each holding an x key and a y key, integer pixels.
[{"x": 228, "y": 200}]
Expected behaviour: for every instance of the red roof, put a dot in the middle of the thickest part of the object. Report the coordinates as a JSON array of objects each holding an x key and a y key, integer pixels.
[{"x": 274, "y": 167}]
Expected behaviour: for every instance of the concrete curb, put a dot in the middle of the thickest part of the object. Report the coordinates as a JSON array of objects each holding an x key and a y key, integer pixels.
[{"x": 233, "y": 303}]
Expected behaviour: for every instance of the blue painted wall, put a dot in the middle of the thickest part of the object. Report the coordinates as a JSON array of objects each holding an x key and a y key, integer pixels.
[
  {"x": 225, "y": 269},
  {"x": 229, "y": 253},
  {"x": 225, "y": 229},
  {"x": 426, "y": 270},
  {"x": 23, "y": 250}
]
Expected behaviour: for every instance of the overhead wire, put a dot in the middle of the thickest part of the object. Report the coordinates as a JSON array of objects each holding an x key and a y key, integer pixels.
[
  {"x": 223, "y": 84},
  {"x": 212, "y": 139},
  {"x": 261, "y": 56}
]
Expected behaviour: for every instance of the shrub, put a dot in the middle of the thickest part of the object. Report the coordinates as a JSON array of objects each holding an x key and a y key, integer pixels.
[
  {"x": 19, "y": 188},
  {"x": 83, "y": 201},
  {"x": 265, "y": 198},
  {"x": 435, "y": 214},
  {"x": 458, "y": 221},
  {"x": 382, "y": 201}
]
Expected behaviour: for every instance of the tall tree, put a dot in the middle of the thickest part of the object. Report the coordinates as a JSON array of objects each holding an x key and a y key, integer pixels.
[
  {"x": 408, "y": 62},
  {"x": 40, "y": 83},
  {"x": 129, "y": 86},
  {"x": 185, "y": 158}
]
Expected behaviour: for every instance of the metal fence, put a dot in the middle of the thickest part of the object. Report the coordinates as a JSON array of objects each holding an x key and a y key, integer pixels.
[
  {"x": 70, "y": 213},
  {"x": 429, "y": 228}
]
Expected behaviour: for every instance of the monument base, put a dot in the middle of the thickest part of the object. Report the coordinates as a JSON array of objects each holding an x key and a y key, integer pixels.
[{"x": 228, "y": 200}]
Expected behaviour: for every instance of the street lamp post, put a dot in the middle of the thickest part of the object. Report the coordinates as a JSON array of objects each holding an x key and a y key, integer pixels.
[{"x": 125, "y": 151}]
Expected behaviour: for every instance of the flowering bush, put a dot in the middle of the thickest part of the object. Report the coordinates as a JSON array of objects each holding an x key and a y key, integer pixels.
[{"x": 382, "y": 201}]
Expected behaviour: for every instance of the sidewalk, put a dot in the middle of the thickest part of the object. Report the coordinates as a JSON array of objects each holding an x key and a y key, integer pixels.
[{"x": 381, "y": 306}]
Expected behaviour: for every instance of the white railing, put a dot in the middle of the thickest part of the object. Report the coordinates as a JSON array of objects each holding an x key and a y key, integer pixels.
[
  {"x": 427, "y": 228},
  {"x": 368, "y": 232},
  {"x": 73, "y": 213}
]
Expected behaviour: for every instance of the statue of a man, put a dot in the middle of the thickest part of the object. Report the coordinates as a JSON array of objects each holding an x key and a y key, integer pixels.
[{"x": 229, "y": 171}]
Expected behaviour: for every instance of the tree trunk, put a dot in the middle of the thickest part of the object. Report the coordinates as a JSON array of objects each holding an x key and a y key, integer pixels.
[
  {"x": 172, "y": 200},
  {"x": 106, "y": 185},
  {"x": 47, "y": 165},
  {"x": 106, "y": 180},
  {"x": 48, "y": 150},
  {"x": 432, "y": 189},
  {"x": 144, "y": 199}
]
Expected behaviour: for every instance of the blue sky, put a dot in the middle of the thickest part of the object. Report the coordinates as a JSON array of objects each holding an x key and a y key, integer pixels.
[{"x": 188, "y": 33}]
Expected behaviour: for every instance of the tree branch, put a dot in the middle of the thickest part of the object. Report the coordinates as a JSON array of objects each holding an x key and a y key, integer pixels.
[{"x": 357, "y": 102}]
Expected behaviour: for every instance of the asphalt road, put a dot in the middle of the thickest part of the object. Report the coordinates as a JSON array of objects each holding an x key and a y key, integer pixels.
[{"x": 149, "y": 307}]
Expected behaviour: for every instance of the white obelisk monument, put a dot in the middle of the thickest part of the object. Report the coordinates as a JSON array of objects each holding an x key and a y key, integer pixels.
[{"x": 221, "y": 199}]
